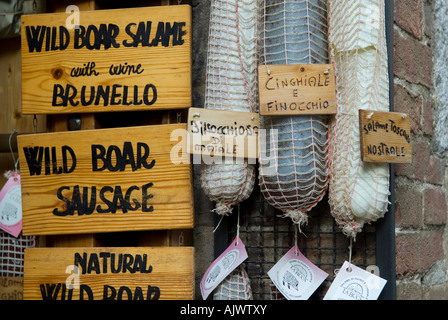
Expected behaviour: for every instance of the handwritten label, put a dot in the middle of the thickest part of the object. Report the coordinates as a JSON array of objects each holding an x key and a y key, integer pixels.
[
  {"x": 385, "y": 137},
  {"x": 115, "y": 60},
  {"x": 223, "y": 133},
  {"x": 295, "y": 276},
  {"x": 104, "y": 180},
  {"x": 11, "y": 206},
  {"x": 11, "y": 288},
  {"x": 354, "y": 283},
  {"x": 109, "y": 273},
  {"x": 228, "y": 261},
  {"x": 297, "y": 89}
]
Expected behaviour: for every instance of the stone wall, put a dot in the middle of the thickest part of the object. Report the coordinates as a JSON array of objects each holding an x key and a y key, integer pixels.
[{"x": 421, "y": 90}]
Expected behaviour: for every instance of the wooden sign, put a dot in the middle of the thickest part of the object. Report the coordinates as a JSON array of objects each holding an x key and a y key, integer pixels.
[
  {"x": 297, "y": 89},
  {"x": 105, "y": 180},
  {"x": 223, "y": 133},
  {"x": 11, "y": 288},
  {"x": 114, "y": 60},
  {"x": 159, "y": 273},
  {"x": 385, "y": 137}
]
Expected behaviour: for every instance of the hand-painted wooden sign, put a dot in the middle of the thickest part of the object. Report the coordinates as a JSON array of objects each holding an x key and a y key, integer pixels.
[
  {"x": 105, "y": 180},
  {"x": 114, "y": 60},
  {"x": 297, "y": 89},
  {"x": 223, "y": 133},
  {"x": 158, "y": 273},
  {"x": 385, "y": 137}
]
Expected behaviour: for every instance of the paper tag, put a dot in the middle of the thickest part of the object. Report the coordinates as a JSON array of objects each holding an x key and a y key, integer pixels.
[
  {"x": 11, "y": 206},
  {"x": 354, "y": 283},
  {"x": 228, "y": 261},
  {"x": 295, "y": 276}
]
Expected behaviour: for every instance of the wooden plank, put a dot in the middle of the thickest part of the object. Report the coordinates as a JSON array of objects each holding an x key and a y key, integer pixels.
[
  {"x": 223, "y": 133},
  {"x": 162, "y": 273},
  {"x": 297, "y": 89},
  {"x": 11, "y": 288},
  {"x": 132, "y": 59},
  {"x": 146, "y": 187},
  {"x": 385, "y": 137}
]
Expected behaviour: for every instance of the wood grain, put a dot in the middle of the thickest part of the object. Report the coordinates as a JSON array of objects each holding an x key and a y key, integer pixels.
[
  {"x": 297, "y": 89},
  {"x": 172, "y": 271},
  {"x": 172, "y": 185},
  {"x": 385, "y": 137},
  {"x": 223, "y": 133}
]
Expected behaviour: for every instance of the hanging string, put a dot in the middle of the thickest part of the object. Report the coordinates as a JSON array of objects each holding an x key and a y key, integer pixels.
[
  {"x": 238, "y": 226},
  {"x": 296, "y": 239},
  {"x": 264, "y": 39},
  {"x": 16, "y": 162},
  {"x": 217, "y": 226},
  {"x": 350, "y": 247}
]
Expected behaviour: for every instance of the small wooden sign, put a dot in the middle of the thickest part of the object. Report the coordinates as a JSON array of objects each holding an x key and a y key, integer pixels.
[
  {"x": 297, "y": 89},
  {"x": 158, "y": 273},
  {"x": 106, "y": 180},
  {"x": 385, "y": 137},
  {"x": 114, "y": 60},
  {"x": 11, "y": 288},
  {"x": 223, "y": 133}
]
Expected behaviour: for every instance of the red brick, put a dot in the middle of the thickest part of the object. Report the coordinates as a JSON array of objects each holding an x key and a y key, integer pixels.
[
  {"x": 408, "y": 15},
  {"x": 408, "y": 207},
  {"x": 408, "y": 103},
  {"x": 435, "y": 172},
  {"x": 417, "y": 251},
  {"x": 412, "y": 60},
  {"x": 435, "y": 206},
  {"x": 420, "y": 154}
]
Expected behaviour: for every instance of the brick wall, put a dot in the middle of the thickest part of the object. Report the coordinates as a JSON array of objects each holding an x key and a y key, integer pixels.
[{"x": 420, "y": 191}]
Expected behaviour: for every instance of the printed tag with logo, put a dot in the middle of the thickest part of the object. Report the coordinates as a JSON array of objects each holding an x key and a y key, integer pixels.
[
  {"x": 228, "y": 261},
  {"x": 354, "y": 283},
  {"x": 295, "y": 276},
  {"x": 11, "y": 206}
]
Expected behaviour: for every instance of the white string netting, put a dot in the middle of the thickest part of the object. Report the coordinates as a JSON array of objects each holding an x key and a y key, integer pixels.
[
  {"x": 236, "y": 286},
  {"x": 12, "y": 251},
  {"x": 231, "y": 85},
  {"x": 358, "y": 191},
  {"x": 294, "y": 32}
]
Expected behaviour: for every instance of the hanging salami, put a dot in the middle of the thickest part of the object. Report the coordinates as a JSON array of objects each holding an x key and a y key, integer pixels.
[
  {"x": 358, "y": 191},
  {"x": 231, "y": 84},
  {"x": 294, "y": 32}
]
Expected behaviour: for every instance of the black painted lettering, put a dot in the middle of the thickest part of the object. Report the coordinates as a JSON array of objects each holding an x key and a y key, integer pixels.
[
  {"x": 146, "y": 94},
  {"x": 35, "y": 37},
  {"x": 98, "y": 153},
  {"x": 68, "y": 204},
  {"x": 65, "y": 159},
  {"x": 128, "y": 263},
  {"x": 107, "y": 295},
  {"x": 94, "y": 264},
  {"x": 153, "y": 293},
  {"x": 81, "y": 261},
  {"x": 50, "y": 291},
  {"x": 146, "y": 197},
  {"x": 103, "y": 198},
  {"x": 59, "y": 99},
  {"x": 85, "y": 289},
  {"x": 33, "y": 156}
]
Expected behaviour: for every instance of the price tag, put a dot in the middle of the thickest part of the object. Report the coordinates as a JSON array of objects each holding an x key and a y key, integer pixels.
[
  {"x": 11, "y": 206},
  {"x": 228, "y": 261},
  {"x": 354, "y": 283},
  {"x": 295, "y": 276}
]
